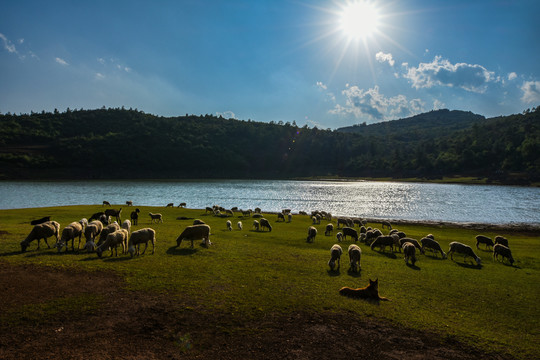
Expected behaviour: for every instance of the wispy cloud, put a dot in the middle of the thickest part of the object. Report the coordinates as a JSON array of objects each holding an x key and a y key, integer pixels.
[
  {"x": 512, "y": 76},
  {"x": 61, "y": 61},
  {"x": 321, "y": 85},
  {"x": 382, "y": 57},
  {"x": 441, "y": 72},
  {"x": 531, "y": 92},
  {"x": 371, "y": 103},
  {"x": 226, "y": 114},
  {"x": 8, "y": 45}
]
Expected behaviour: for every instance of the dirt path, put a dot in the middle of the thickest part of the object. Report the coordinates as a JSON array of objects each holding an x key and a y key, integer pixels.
[{"x": 137, "y": 325}]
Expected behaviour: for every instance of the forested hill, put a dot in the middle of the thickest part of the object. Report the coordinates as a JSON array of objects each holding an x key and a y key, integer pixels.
[{"x": 129, "y": 144}]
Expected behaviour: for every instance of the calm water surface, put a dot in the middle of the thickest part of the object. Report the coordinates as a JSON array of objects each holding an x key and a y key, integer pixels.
[{"x": 387, "y": 200}]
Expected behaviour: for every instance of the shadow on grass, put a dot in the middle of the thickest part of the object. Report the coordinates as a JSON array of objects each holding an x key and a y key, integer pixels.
[
  {"x": 333, "y": 272},
  {"x": 388, "y": 255},
  {"x": 414, "y": 267},
  {"x": 468, "y": 265},
  {"x": 353, "y": 273},
  {"x": 11, "y": 253},
  {"x": 173, "y": 250},
  {"x": 434, "y": 256},
  {"x": 116, "y": 258}
]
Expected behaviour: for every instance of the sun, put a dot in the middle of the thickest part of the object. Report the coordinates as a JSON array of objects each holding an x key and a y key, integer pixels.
[{"x": 359, "y": 19}]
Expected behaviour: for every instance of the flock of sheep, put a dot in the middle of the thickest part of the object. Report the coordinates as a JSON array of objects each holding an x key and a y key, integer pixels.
[{"x": 111, "y": 235}]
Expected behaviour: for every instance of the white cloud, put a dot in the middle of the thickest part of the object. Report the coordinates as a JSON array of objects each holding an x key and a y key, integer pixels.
[
  {"x": 438, "y": 104},
  {"x": 101, "y": 61},
  {"x": 531, "y": 92},
  {"x": 61, "y": 61},
  {"x": 8, "y": 45},
  {"x": 226, "y": 114},
  {"x": 321, "y": 85},
  {"x": 512, "y": 76},
  {"x": 328, "y": 94},
  {"x": 441, "y": 72},
  {"x": 382, "y": 57},
  {"x": 372, "y": 104},
  {"x": 100, "y": 76}
]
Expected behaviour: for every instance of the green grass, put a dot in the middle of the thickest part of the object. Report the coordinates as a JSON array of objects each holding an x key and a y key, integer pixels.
[{"x": 494, "y": 307}]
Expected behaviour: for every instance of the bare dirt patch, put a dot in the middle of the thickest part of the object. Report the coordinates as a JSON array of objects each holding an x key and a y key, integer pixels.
[{"x": 140, "y": 325}]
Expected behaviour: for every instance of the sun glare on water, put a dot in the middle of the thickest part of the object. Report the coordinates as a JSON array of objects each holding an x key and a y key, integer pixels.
[{"x": 359, "y": 19}]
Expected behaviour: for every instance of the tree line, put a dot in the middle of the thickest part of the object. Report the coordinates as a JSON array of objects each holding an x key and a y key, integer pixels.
[{"x": 130, "y": 144}]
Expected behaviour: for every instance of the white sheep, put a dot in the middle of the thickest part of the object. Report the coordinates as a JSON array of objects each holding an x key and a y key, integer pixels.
[
  {"x": 289, "y": 217},
  {"x": 156, "y": 217},
  {"x": 118, "y": 237},
  {"x": 429, "y": 243},
  {"x": 126, "y": 225},
  {"x": 409, "y": 250},
  {"x": 264, "y": 223},
  {"x": 91, "y": 231},
  {"x": 504, "y": 251},
  {"x": 70, "y": 232},
  {"x": 139, "y": 237},
  {"x": 312, "y": 233},
  {"x": 239, "y": 225},
  {"x": 195, "y": 232},
  {"x": 106, "y": 231},
  {"x": 256, "y": 225},
  {"x": 382, "y": 242},
  {"x": 482, "y": 239},
  {"x": 463, "y": 249},
  {"x": 335, "y": 255},
  {"x": 41, "y": 231},
  {"x": 339, "y": 236},
  {"x": 354, "y": 257},
  {"x": 229, "y": 225},
  {"x": 329, "y": 229}
]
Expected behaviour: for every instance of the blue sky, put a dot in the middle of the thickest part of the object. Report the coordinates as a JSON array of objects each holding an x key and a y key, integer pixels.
[{"x": 271, "y": 60}]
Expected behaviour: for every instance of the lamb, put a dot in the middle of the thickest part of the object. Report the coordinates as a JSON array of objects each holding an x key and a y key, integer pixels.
[
  {"x": 156, "y": 217},
  {"x": 70, "y": 232},
  {"x": 195, "y": 232},
  {"x": 239, "y": 225},
  {"x": 412, "y": 241},
  {"x": 409, "y": 251},
  {"x": 91, "y": 231},
  {"x": 106, "y": 231},
  {"x": 265, "y": 224},
  {"x": 349, "y": 231},
  {"x": 41, "y": 231},
  {"x": 139, "y": 237},
  {"x": 382, "y": 242},
  {"x": 115, "y": 238},
  {"x": 40, "y": 221},
  {"x": 256, "y": 225},
  {"x": 501, "y": 240},
  {"x": 429, "y": 243},
  {"x": 312, "y": 233},
  {"x": 126, "y": 225},
  {"x": 135, "y": 216},
  {"x": 229, "y": 225},
  {"x": 463, "y": 249},
  {"x": 504, "y": 251},
  {"x": 354, "y": 257},
  {"x": 335, "y": 255},
  {"x": 115, "y": 213},
  {"x": 481, "y": 239},
  {"x": 329, "y": 229}
]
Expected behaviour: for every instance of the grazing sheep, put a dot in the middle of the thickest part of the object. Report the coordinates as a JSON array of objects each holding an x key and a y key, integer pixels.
[
  {"x": 96, "y": 216},
  {"x": 504, "y": 251},
  {"x": 91, "y": 231},
  {"x": 339, "y": 236},
  {"x": 106, "y": 203},
  {"x": 139, "y": 237},
  {"x": 396, "y": 241},
  {"x": 501, "y": 240},
  {"x": 463, "y": 249},
  {"x": 118, "y": 237},
  {"x": 198, "y": 222},
  {"x": 409, "y": 250},
  {"x": 126, "y": 225},
  {"x": 280, "y": 216},
  {"x": 265, "y": 224},
  {"x": 256, "y": 225},
  {"x": 429, "y": 243},
  {"x": 170, "y": 205},
  {"x": 129, "y": 203},
  {"x": 239, "y": 225},
  {"x": 312, "y": 233},
  {"x": 70, "y": 232},
  {"x": 481, "y": 239},
  {"x": 182, "y": 205},
  {"x": 335, "y": 255},
  {"x": 106, "y": 231},
  {"x": 316, "y": 220},
  {"x": 349, "y": 231},
  {"x": 286, "y": 211},
  {"x": 341, "y": 221},
  {"x": 357, "y": 221},
  {"x": 105, "y": 220},
  {"x": 289, "y": 217},
  {"x": 246, "y": 213},
  {"x": 412, "y": 241},
  {"x": 257, "y": 215},
  {"x": 156, "y": 217},
  {"x": 40, "y": 221},
  {"x": 115, "y": 213},
  {"x": 229, "y": 225},
  {"x": 382, "y": 242},
  {"x": 41, "y": 231},
  {"x": 329, "y": 229},
  {"x": 302, "y": 213},
  {"x": 387, "y": 224},
  {"x": 195, "y": 232},
  {"x": 209, "y": 209},
  {"x": 135, "y": 216},
  {"x": 258, "y": 210},
  {"x": 354, "y": 257},
  {"x": 229, "y": 213}
]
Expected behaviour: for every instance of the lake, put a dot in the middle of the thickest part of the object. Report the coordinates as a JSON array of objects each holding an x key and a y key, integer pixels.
[{"x": 370, "y": 199}]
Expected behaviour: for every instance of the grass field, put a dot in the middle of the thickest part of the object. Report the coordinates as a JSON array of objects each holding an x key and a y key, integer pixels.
[{"x": 494, "y": 307}]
